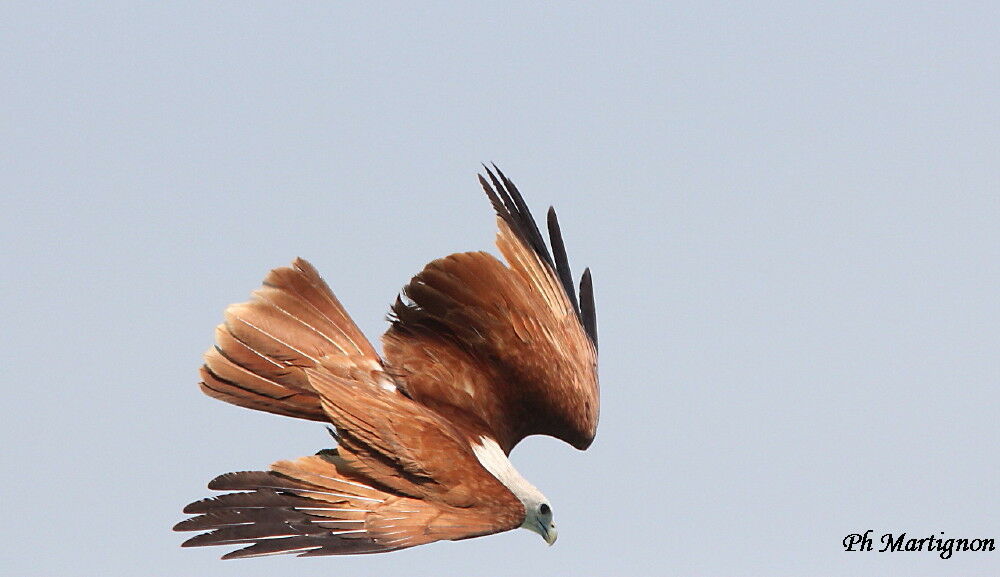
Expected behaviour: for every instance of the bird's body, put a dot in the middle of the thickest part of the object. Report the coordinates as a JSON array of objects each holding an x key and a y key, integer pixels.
[{"x": 479, "y": 355}]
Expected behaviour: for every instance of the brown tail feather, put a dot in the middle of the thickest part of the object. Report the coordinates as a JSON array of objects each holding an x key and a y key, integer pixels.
[{"x": 293, "y": 322}]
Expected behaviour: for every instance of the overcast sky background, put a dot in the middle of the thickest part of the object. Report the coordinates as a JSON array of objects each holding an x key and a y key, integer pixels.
[{"x": 791, "y": 213}]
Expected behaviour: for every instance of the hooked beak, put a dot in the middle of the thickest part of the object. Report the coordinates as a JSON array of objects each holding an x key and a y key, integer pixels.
[{"x": 548, "y": 533}]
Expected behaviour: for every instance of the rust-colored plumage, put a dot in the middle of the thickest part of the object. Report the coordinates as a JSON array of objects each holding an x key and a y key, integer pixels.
[{"x": 478, "y": 356}]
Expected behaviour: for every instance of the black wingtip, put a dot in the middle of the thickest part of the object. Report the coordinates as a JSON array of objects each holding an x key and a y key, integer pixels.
[
  {"x": 498, "y": 204},
  {"x": 219, "y": 483},
  {"x": 199, "y": 506},
  {"x": 510, "y": 206},
  {"x": 181, "y": 526},
  {"x": 562, "y": 261},
  {"x": 588, "y": 309}
]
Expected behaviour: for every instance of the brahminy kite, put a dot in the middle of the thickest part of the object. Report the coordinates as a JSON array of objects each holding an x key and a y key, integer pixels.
[{"x": 478, "y": 356}]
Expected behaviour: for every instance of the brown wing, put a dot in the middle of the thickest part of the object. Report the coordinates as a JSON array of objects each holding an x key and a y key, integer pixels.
[
  {"x": 310, "y": 507},
  {"x": 293, "y": 322},
  {"x": 401, "y": 476},
  {"x": 508, "y": 344}
]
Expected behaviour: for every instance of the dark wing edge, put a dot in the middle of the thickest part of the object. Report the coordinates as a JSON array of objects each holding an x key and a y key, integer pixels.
[
  {"x": 510, "y": 206},
  {"x": 309, "y": 507},
  {"x": 277, "y": 514}
]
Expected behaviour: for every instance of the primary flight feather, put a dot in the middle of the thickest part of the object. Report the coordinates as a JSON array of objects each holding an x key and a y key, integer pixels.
[{"x": 479, "y": 355}]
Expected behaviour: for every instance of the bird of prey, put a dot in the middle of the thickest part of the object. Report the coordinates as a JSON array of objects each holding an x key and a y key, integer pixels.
[{"x": 479, "y": 355}]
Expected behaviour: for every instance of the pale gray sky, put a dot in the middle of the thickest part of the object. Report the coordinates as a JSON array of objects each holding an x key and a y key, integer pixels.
[{"x": 790, "y": 211}]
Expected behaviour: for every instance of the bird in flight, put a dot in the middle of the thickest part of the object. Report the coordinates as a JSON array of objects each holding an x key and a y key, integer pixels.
[{"x": 479, "y": 355}]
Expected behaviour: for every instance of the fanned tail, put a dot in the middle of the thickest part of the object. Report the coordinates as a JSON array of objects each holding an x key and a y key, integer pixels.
[{"x": 293, "y": 322}]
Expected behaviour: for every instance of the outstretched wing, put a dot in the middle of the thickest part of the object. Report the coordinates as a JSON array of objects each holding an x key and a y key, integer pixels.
[
  {"x": 401, "y": 476},
  {"x": 308, "y": 507},
  {"x": 293, "y": 322},
  {"x": 508, "y": 344}
]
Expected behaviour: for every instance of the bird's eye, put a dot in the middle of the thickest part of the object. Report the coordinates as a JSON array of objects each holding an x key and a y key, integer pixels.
[{"x": 544, "y": 509}]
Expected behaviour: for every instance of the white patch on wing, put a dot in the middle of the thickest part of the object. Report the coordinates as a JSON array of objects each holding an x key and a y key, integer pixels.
[{"x": 386, "y": 383}]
